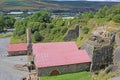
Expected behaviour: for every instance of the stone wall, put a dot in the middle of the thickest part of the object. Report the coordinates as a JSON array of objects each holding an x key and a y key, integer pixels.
[
  {"x": 17, "y": 53},
  {"x": 100, "y": 49},
  {"x": 117, "y": 39},
  {"x": 72, "y": 34},
  {"x": 88, "y": 47},
  {"x": 64, "y": 69},
  {"x": 116, "y": 58},
  {"x": 102, "y": 57}
]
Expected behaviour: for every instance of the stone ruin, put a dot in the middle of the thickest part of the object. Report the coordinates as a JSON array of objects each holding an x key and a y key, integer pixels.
[
  {"x": 100, "y": 48},
  {"x": 72, "y": 33}
]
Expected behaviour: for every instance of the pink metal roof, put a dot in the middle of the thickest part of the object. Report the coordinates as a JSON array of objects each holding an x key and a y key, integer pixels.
[
  {"x": 17, "y": 47},
  {"x": 58, "y": 53}
]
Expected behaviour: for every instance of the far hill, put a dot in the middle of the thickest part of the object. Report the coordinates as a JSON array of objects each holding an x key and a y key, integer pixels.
[
  {"x": 40, "y": 4},
  {"x": 83, "y": 4}
]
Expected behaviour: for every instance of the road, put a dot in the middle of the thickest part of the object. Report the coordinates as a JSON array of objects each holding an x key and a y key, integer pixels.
[{"x": 8, "y": 70}]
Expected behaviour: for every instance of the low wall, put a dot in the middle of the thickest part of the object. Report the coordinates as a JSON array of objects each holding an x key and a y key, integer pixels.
[
  {"x": 64, "y": 69},
  {"x": 17, "y": 53}
]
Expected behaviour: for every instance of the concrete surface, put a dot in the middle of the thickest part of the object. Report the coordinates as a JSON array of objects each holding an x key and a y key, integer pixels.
[{"x": 7, "y": 64}]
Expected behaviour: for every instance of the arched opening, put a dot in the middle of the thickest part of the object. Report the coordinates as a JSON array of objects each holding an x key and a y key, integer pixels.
[{"x": 54, "y": 72}]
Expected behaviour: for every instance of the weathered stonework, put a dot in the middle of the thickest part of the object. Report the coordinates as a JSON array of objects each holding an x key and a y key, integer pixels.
[
  {"x": 88, "y": 47},
  {"x": 100, "y": 49},
  {"x": 102, "y": 57},
  {"x": 17, "y": 53},
  {"x": 64, "y": 69},
  {"x": 72, "y": 34},
  {"x": 117, "y": 39},
  {"x": 116, "y": 58}
]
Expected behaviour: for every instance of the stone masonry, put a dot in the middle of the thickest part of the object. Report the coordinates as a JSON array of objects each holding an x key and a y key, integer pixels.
[
  {"x": 16, "y": 53},
  {"x": 64, "y": 69},
  {"x": 72, "y": 34},
  {"x": 100, "y": 49}
]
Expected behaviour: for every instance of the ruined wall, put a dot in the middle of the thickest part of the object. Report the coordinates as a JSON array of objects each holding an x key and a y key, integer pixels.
[
  {"x": 102, "y": 57},
  {"x": 17, "y": 53},
  {"x": 100, "y": 49},
  {"x": 88, "y": 47},
  {"x": 117, "y": 39},
  {"x": 72, "y": 34},
  {"x": 116, "y": 58},
  {"x": 64, "y": 69}
]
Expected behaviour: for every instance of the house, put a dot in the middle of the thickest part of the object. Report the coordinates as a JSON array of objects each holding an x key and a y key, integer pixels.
[
  {"x": 59, "y": 58},
  {"x": 55, "y": 57},
  {"x": 17, "y": 49}
]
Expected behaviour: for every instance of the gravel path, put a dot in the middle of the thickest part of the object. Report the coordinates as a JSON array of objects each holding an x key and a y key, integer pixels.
[{"x": 7, "y": 64}]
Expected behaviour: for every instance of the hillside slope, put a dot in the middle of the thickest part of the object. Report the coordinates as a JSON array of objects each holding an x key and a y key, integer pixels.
[
  {"x": 37, "y": 4},
  {"x": 24, "y": 5}
]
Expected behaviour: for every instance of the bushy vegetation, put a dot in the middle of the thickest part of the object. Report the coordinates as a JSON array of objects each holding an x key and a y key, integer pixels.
[
  {"x": 37, "y": 36},
  {"x": 6, "y": 22},
  {"x": 44, "y": 28}
]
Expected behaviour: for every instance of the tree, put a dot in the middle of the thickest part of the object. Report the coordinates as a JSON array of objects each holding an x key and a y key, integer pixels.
[
  {"x": 41, "y": 16},
  {"x": 34, "y": 26},
  {"x": 42, "y": 26},
  {"x": 9, "y": 21},
  {"x": 37, "y": 36},
  {"x": 102, "y": 12},
  {"x": 115, "y": 9},
  {"x": 20, "y": 27}
]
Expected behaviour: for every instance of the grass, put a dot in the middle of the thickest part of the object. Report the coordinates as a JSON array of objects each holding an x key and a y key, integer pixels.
[
  {"x": 71, "y": 76},
  {"x": 5, "y": 35},
  {"x": 21, "y": 39}
]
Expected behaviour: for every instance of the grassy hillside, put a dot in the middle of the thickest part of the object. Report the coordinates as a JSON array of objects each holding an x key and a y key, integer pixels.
[
  {"x": 36, "y": 4},
  {"x": 83, "y": 4},
  {"x": 24, "y": 4}
]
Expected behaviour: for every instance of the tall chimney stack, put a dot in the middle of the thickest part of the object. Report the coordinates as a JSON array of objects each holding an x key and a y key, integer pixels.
[
  {"x": 29, "y": 44},
  {"x": 29, "y": 47}
]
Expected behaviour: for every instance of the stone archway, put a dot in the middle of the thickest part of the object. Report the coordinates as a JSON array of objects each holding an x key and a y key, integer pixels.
[{"x": 54, "y": 72}]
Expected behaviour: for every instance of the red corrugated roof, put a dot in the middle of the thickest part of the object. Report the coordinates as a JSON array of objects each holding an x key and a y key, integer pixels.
[
  {"x": 17, "y": 47},
  {"x": 58, "y": 53}
]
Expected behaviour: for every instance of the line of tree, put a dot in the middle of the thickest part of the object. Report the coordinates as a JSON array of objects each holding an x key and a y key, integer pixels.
[
  {"x": 54, "y": 29},
  {"x": 6, "y": 22}
]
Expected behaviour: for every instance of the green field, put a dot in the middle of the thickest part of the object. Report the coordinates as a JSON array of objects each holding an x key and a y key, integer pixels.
[{"x": 72, "y": 76}]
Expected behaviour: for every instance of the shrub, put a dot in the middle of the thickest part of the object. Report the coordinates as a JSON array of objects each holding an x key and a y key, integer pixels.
[
  {"x": 85, "y": 30},
  {"x": 37, "y": 36},
  {"x": 116, "y": 18}
]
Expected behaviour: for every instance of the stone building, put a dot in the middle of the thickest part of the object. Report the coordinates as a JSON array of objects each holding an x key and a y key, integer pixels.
[
  {"x": 55, "y": 57},
  {"x": 59, "y": 58},
  {"x": 17, "y": 49}
]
